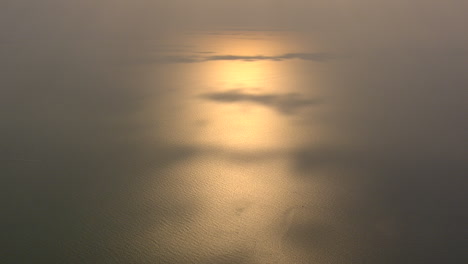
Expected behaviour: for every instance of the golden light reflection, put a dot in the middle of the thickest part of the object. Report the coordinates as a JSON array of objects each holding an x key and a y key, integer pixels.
[
  {"x": 247, "y": 43},
  {"x": 248, "y": 207},
  {"x": 235, "y": 75},
  {"x": 238, "y": 124},
  {"x": 245, "y": 73},
  {"x": 240, "y": 204}
]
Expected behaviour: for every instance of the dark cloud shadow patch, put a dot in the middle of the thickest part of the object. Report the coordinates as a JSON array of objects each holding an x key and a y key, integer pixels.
[
  {"x": 318, "y": 57},
  {"x": 287, "y": 56},
  {"x": 288, "y": 103}
]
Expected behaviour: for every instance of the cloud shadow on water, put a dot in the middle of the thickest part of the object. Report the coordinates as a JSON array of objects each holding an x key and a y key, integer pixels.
[
  {"x": 287, "y": 104},
  {"x": 318, "y": 57}
]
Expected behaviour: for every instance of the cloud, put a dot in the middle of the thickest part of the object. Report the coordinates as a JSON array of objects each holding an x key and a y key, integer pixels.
[
  {"x": 319, "y": 57},
  {"x": 287, "y": 56},
  {"x": 284, "y": 103}
]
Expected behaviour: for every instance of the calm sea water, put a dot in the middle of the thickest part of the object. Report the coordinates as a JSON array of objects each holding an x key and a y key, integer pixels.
[{"x": 234, "y": 147}]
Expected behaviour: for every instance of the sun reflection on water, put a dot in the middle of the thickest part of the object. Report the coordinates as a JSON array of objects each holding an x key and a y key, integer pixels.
[
  {"x": 241, "y": 177},
  {"x": 236, "y": 124}
]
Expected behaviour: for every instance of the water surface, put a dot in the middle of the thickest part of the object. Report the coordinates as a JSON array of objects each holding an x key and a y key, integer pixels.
[{"x": 233, "y": 146}]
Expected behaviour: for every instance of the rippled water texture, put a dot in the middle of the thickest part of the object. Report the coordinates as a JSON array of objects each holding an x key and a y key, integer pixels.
[
  {"x": 244, "y": 104},
  {"x": 234, "y": 147}
]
